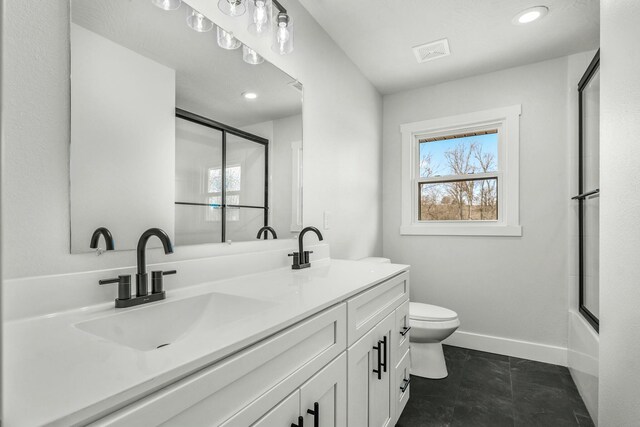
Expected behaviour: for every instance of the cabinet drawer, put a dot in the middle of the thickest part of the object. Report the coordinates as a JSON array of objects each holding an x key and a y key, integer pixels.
[
  {"x": 401, "y": 333},
  {"x": 213, "y": 395},
  {"x": 366, "y": 310},
  {"x": 282, "y": 415},
  {"x": 403, "y": 371}
]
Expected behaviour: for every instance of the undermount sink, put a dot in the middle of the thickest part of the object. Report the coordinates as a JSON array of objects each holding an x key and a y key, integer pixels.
[{"x": 157, "y": 325}]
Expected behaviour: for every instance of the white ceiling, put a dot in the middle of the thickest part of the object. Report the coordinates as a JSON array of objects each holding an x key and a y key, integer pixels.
[
  {"x": 378, "y": 35},
  {"x": 209, "y": 80}
]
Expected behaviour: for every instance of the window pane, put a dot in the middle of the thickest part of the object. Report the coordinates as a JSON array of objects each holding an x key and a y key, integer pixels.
[
  {"x": 194, "y": 225},
  {"x": 591, "y": 254},
  {"x": 459, "y": 200},
  {"x": 591, "y": 134},
  {"x": 233, "y": 183},
  {"x": 246, "y": 224},
  {"x": 459, "y": 155},
  {"x": 198, "y": 155},
  {"x": 246, "y": 170}
]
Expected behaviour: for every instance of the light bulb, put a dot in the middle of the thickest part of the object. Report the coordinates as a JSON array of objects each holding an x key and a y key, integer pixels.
[
  {"x": 283, "y": 37},
  {"x": 232, "y": 7},
  {"x": 260, "y": 14},
  {"x": 167, "y": 4},
  {"x": 227, "y": 41},
  {"x": 250, "y": 56},
  {"x": 260, "y": 11},
  {"x": 198, "y": 22},
  {"x": 283, "y": 41}
]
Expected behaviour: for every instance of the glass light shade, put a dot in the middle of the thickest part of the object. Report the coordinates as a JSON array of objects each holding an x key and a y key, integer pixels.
[
  {"x": 232, "y": 7},
  {"x": 250, "y": 56},
  {"x": 259, "y": 17},
  {"x": 198, "y": 22},
  {"x": 227, "y": 41},
  {"x": 283, "y": 35},
  {"x": 167, "y": 4}
]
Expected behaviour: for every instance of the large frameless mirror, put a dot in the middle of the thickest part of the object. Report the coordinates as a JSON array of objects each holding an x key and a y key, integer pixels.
[{"x": 175, "y": 124}]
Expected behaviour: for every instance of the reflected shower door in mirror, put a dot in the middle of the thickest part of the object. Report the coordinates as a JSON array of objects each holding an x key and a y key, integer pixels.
[
  {"x": 213, "y": 207},
  {"x": 134, "y": 164}
]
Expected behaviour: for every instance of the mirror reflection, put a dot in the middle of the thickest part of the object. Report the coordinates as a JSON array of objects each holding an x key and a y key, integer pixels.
[{"x": 169, "y": 130}]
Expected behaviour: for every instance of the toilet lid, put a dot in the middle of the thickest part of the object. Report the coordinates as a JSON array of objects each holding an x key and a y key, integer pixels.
[{"x": 419, "y": 311}]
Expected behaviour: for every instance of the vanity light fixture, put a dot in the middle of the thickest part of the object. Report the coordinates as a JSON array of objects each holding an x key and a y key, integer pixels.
[
  {"x": 226, "y": 40},
  {"x": 249, "y": 95},
  {"x": 232, "y": 7},
  {"x": 529, "y": 15},
  {"x": 198, "y": 22},
  {"x": 283, "y": 35},
  {"x": 167, "y": 4},
  {"x": 250, "y": 56},
  {"x": 260, "y": 17}
]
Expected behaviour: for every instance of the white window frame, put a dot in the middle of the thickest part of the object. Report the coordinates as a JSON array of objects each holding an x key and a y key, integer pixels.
[{"x": 507, "y": 121}]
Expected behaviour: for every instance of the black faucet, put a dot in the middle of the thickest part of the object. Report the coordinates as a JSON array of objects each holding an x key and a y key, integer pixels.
[
  {"x": 142, "y": 291},
  {"x": 108, "y": 238},
  {"x": 141, "y": 275},
  {"x": 266, "y": 229},
  {"x": 301, "y": 258}
]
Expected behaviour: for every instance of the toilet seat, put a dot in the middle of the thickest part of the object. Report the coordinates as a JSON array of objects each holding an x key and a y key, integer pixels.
[{"x": 430, "y": 313}]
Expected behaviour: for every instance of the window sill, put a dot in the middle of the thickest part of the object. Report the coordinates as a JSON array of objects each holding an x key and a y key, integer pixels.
[{"x": 460, "y": 230}]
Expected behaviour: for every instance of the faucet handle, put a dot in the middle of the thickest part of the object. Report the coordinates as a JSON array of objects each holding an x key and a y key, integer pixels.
[
  {"x": 157, "y": 282},
  {"x": 296, "y": 259},
  {"x": 124, "y": 285},
  {"x": 306, "y": 257}
]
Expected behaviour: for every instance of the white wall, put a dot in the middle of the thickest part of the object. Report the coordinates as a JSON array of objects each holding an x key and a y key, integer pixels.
[
  {"x": 506, "y": 287},
  {"x": 122, "y": 131},
  {"x": 620, "y": 205},
  {"x": 342, "y": 132}
]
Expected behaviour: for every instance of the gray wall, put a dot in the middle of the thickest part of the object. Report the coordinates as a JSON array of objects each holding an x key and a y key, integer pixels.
[
  {"x": 508, "y": 287},
  {"x": 620, "y": 204},
  {"x": 342, "y": 136}
]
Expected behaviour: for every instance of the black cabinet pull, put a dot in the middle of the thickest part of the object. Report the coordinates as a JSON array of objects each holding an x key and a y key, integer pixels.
[
  {"x": 405, "y": 385},
  {"x": 384, "y": 353},
  {"x": 378, "y": 349},
  {"x": 316, "y": 414},
  {"x": 300, "y": 422},
  {"x": 405, "y": 330}
]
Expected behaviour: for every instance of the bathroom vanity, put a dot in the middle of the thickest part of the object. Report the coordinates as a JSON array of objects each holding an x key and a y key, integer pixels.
[{"x": 324, "y": 346}]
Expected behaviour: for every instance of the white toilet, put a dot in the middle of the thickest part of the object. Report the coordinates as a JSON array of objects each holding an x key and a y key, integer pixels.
[{"x": 430, "y": 325}]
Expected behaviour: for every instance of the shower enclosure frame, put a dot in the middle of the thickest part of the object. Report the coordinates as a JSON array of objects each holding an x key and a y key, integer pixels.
[{"x": 583, "y": 194}]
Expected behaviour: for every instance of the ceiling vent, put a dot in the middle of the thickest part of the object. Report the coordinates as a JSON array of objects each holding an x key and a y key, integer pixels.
[{"x": 431, "y": 51}]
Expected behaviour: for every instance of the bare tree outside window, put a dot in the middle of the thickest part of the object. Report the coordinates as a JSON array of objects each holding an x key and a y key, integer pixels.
[{"x": 459, "y": 199}]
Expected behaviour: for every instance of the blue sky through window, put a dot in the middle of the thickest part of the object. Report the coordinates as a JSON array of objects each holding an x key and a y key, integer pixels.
[{"x": 485, "y": 144}]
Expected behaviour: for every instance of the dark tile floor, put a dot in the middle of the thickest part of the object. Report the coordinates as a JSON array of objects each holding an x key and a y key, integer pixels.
[{"x": 486, "y": 389}]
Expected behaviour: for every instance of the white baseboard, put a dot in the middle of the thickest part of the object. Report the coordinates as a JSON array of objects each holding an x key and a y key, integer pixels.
[{"x": 509, "y": 347}]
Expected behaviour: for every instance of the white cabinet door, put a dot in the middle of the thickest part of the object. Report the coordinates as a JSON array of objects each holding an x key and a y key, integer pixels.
[
  {"x": 369, "y": 381},
  {"x": 282, "y": 415},
  {"x": 323, "y": 399}
]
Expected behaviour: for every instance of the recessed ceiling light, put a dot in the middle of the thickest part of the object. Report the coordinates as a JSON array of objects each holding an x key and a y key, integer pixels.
[
  {"x": 529, "y": 15},
  {"x": 250, "y": 95}
]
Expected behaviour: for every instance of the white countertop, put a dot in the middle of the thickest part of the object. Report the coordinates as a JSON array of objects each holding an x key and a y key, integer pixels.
[{"x": 56, "y": 373}]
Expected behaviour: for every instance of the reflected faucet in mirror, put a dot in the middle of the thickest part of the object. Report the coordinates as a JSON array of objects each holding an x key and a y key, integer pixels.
[
  {"x": 301, "y": 258},
  {"x": 108, "y": 239},
  {"x": 265, "y": 230}
]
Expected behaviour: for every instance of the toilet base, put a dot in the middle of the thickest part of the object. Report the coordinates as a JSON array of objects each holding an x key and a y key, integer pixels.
[{"x": 427, "y": 360}]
